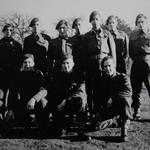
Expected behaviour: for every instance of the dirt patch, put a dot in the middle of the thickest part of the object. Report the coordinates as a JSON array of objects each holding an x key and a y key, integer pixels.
[{"x": 139, "y": 137}]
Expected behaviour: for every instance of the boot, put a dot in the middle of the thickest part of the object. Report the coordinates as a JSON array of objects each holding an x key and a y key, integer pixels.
[
  {"x": 124, "y": 130},
  {"x": 137, "y": 114}
]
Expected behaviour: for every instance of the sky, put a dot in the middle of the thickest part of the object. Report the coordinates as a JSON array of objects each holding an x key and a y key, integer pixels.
[{"x": 51, "y": 11}]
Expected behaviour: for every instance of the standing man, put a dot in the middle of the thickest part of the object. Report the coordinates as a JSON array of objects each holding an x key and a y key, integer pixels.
[
  {"x": 10, "y": 60},
  {"x": 60, "y": 46},
  {"x": 139, "y": 50},
  {"x": 78, "y": 45},
  {"x": 37, "y": 44},
  {"x": 98, "y": 43},
  {"x": 112, "y": 96},
  {"x": 122, "y": 44}
]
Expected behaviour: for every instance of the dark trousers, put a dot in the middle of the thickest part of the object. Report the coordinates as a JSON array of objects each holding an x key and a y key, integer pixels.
[
  {"x": 140, "y": 73},
  {"x": 93, "y": 68},
  {"x": 71, "y": 107},
  {"x": 23, "y": 115}
]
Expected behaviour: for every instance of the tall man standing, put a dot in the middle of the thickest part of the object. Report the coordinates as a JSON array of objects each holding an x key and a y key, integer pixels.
[
  {"x": 98, "y": 43},
  {"x": 139, "y": 51}
]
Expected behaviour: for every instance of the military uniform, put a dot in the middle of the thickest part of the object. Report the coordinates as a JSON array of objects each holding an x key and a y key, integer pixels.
[
  {"x": 112, "y": 97},
  {"x": 10, "y": 61},
  {"x": 78, "y": 53},
  {"x": 122, "y": 50},
  {"x": 38, "y": 45},
  {"x": 27, "y": 85},
  {"x": 58, "y": 49},
  {"x": 139, "y": 51},
  {"x": 71, "y": 88},
  {"x": 118, "y": 88},
  {"x": 96, "y": 47}
]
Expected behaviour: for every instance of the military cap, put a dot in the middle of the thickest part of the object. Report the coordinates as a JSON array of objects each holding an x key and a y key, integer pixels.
[
  {"x": 61, "y": 22},
  {"x": 75, "y": 22},
  {"x": 93, "y": 14},
  {"x": 7, "y": 26},
  {"x": 139, "y": 16},
  {"x": 27, "y": 55},
  {"x": 33, "y": 21}
]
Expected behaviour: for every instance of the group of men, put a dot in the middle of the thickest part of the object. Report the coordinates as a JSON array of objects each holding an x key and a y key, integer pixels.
[{"x": 73, "y": 75}]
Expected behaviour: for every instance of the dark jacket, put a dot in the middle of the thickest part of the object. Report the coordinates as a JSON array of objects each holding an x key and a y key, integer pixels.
[
  {"x": 122, "y": 50},
  {"x": 139, "y": 45},
  {"x": 39, "y": 47},
  {"x": 98, "y": 45},
  {"x": 105, "y": 87},
  {"x": 26, "y": 85},
  {"x": 10, "y": 54},
  {"x": 58, "y": 49},
  {"x": 67, "y": 86},
  {"x": 78, "y": 53}
]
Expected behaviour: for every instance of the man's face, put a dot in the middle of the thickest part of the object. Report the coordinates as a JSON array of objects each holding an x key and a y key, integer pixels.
[
  {"x": 96, "y": 22},
  {"x": 36, "y": 28},
  {"x": 78, "y": 27},
  {"x": 141, "y": 23},
  {"x": 63, "y": 29},
  {"x": 8, "y": 32},
  {"x": 67, "y": 65},
  {"x": 28, "y": 64},
  {"x": 109, "y": 67},
  {"x": 112, "y": 24}
]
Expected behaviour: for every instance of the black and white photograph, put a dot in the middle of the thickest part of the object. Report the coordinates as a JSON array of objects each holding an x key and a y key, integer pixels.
[{"x": 74, "y": 75}]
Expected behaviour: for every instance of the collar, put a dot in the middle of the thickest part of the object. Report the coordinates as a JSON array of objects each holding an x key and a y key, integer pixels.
[
  {"x": 99, "y": 32},
  {"x": 114, "y": 32}
]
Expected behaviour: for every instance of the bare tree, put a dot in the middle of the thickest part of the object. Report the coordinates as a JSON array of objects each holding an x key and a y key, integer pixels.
[{"x": 21, "y": 25}]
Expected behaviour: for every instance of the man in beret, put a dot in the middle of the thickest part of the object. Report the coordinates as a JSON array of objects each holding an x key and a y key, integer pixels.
[
  {"x": 139, "y": 51},
  {"x": 78, "y": 45},
  {"x": 60, "y": 46},
  {"x": 37, "y": 44},
  {"x": 98, "y": 43},
  {"x": 112, "y": 97},
  {"x": 10, "y": 60}
]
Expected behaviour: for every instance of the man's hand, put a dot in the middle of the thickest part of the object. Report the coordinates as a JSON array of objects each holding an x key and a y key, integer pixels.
[
  {"x": 61, "y": 105},
  {"x": 31, "y": 104},
  {"x": 44, "y": 102}
]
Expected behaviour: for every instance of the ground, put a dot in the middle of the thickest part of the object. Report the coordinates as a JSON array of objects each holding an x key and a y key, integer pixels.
[{"x": 108, "y": 139}]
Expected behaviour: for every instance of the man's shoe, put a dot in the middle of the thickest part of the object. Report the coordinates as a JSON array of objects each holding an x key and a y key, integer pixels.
[
  {"x": 137, "y": 114},
  {"x": 83, "y": 137}
]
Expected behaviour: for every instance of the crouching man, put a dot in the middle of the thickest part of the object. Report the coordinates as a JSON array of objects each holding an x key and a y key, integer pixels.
[
  {"x": 68, "y": 96},
  {"x": 112, "y": 97},
  {"x": 27, "y": 95}
]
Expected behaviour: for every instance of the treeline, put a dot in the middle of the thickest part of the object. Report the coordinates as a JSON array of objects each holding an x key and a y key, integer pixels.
[{"x": 22, "y": 29}]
